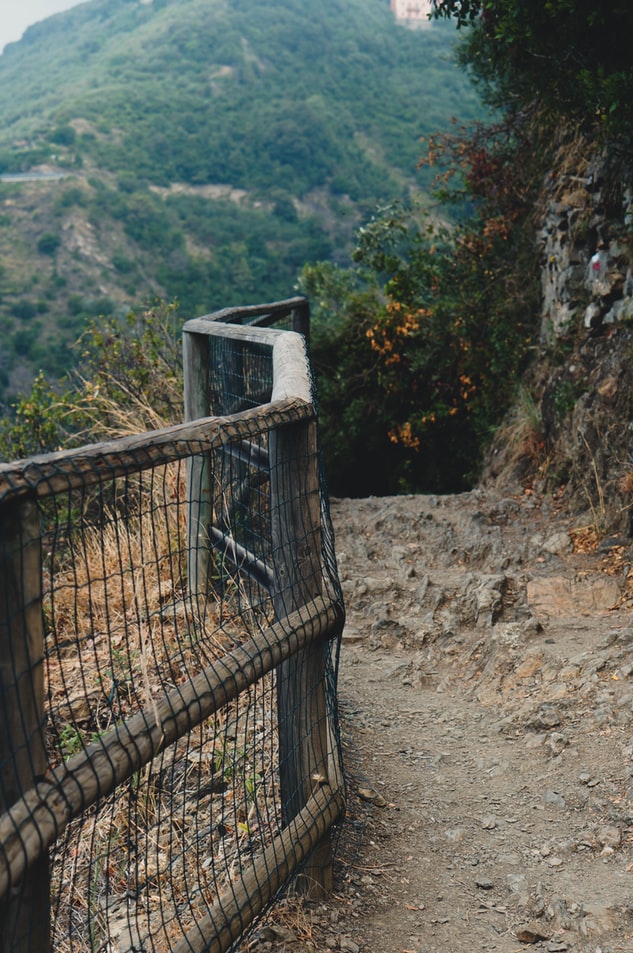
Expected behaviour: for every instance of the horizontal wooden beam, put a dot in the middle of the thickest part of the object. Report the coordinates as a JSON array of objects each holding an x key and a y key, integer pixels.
[
  {"x": 243, "y": 560},
  {"x": 258, "y": 315},
  {"x": 291, "y": 377},
  {"x": 52, "y": 473},
  {"x": 249, "y": 453},
  {"x": 249, "y": 895},
  {"x": 235, "y": 332}
]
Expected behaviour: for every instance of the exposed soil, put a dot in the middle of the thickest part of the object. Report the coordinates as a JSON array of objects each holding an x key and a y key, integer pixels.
[{"x": 486, "y": 687}]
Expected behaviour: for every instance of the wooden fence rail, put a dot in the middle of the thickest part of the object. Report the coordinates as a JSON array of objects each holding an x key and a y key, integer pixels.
[{"x": 277, "y": 439}]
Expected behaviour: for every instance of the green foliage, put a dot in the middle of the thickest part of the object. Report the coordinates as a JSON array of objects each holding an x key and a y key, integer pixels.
[
  {"x": 573, "y": 56},
  {"x": 63, "y": 135},
  {"x": 48, "y": 243},
  {"x": 353, "y": 415},
  {"x": 452, "y": 313},
  {"x": 249, "y": 256},
  {"x": 565, "y": 396},
  {"x": 420, "y": 346},
  {"x": 251, "y": 94},
  {"x": 130, "y": 372},
  {"x": 38, "y": 422},
  {"x": 212, "y": 149},
  {"x": 129, "y": 380},
  {"x": 24, "y": 309},
  {"x": 69, "y": 197},
  {"x": 71, "y": 740}
]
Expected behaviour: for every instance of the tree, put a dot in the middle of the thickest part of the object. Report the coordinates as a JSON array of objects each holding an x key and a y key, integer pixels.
[
  {"x": 48, "y": 243},
  {"x": 419, "y": 347},
  {"x": 573, "y": 57}
]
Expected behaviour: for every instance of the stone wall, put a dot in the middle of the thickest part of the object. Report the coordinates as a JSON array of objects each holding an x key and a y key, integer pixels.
[
  {"x": 586, "y": 248},
  {"x": 577, "y": 438}
]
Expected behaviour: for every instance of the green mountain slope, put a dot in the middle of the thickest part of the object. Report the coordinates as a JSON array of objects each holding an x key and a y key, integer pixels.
[{"x": 209, "y": 148}]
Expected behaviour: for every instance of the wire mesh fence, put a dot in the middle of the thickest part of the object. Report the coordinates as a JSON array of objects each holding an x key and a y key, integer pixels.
[{"x": 169, "y": 622}]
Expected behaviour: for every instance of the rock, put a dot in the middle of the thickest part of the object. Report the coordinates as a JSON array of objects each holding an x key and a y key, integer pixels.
[
  {"x": 283, "y": 934},
  {"x": 557, "y": 596},
  {"x": 593, "y": 315},
  {"x": 478, "y": 798},
  {"x": 553, "y": 797},
  {"x": 372, "y": 797},
  {"x": 265, "y": 935},
  {"x": 557, "y": 544},
  {"x": 531, "y": 932},
  {"x": 518, "y": 884},
  {"x": 351, "y": 635},
  {"x": 455, "y": 835},
  {"x": 486, "y": 596},
  {"x": 559, "y": 914},
  {"x": 531, "y": 665},
  {"x": 348, "y": 945},
  {"x": 609, "y": 837},
  {"x": 422, "y": 589},
  {"x": 546, "y": 717},
  {"x": 556, "y": 743}
]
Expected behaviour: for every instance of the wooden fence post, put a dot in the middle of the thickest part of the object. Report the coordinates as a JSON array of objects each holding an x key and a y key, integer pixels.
[
  {"x": 25, "y": 910},
  {"x": 301, "y": 700},
  {"x": 199, "y": 470},
  {"x": 301, "y": 319}
]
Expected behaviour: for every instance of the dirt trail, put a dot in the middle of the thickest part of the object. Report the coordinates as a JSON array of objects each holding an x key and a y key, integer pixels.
[
  {"x": 487, "y": 693},
  {"x": 486, "y": 684}
]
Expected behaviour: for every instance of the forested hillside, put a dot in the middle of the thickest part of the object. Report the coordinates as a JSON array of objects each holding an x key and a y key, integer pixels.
[
  {"x": 208, "y": 150},
  {"x": 431, "y": 333}
]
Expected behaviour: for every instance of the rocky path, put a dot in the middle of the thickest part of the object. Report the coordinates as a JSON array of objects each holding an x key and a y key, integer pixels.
[
  {"x": 486, "y": 684},
  {"x": 487, "y": 695}
]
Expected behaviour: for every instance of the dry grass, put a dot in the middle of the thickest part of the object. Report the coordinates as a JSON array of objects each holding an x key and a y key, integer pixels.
[
  {"x": 518, "y": 449},
  {"x": 128, "y": 414}
]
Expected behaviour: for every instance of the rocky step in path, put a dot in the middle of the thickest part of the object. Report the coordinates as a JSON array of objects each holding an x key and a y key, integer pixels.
[{"x": 487, "y": 693}]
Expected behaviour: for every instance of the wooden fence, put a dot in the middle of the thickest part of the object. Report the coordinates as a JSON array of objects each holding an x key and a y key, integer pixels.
[{"x": 283, "y": 553}]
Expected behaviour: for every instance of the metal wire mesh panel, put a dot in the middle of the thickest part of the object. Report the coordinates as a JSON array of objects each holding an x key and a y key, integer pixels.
[
  {"x": 241, "y": 374},
  {"x": 177, "y": 605},
  {"x": 122, "y": 630}
]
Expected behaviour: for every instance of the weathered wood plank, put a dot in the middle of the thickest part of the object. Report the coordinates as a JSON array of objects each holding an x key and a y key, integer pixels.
[
  {"x": 24, "y": 914},
  {"x": 237, "y": 332},
  {"x": 290, "y": 364},
  {"x": 291, "y": 376},
  {"x": 243, "y": 560},
  {"x": 199, "y": 467},
  {"x": 250, "y": 453},
  {"x": 301, "y": 319},
  {"x": 301, "y": 703},
  {"x": 259, "y": 315},
  {"x": 58, "y": 472}
]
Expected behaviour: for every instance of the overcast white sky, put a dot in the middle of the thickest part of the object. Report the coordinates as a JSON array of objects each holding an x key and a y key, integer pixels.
[{"x": 16, "y": 15}]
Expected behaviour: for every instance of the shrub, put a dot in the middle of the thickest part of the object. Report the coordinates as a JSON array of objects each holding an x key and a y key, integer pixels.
[
  {"x": 48, "y": 243},
  {"x": 129, "y": 380}
]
